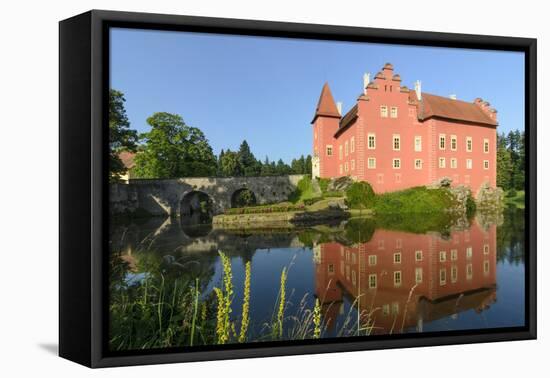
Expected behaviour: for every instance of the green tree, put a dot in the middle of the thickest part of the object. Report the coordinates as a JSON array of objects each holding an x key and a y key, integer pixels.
[
  {"x": 504, "y": 163},
  {"x": 121, "y": 137},
  {"x": 250, "y": 166},
  {"x": 174, "y": 149},
  {"x": 308, "y": 165},
  {"x": 229, "y": 164},
  {"x": 282, "y": 168}
]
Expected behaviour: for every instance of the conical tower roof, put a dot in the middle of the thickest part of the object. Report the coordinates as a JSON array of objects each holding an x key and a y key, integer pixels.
[{"x": 326, "y": 107}]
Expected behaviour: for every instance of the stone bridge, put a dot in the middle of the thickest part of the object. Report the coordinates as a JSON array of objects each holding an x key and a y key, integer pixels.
[{"x": 177, "y": 197}]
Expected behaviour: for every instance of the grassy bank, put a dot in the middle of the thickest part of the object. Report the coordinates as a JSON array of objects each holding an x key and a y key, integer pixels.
[{"x": 418, "y": 200}]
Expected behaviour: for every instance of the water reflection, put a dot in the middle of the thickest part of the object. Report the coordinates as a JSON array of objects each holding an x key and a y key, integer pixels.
[{"x": 397, "y": 275}]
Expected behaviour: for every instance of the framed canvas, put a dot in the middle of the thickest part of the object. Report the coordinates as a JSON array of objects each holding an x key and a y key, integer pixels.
[{"x": 234, "y": 188}]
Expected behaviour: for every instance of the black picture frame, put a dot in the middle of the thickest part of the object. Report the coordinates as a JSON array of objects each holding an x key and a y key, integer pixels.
[{"x": 83, "y": 85}]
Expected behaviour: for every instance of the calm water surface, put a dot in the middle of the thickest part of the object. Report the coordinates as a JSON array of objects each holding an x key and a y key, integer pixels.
[{"x": 455, "y": 278}]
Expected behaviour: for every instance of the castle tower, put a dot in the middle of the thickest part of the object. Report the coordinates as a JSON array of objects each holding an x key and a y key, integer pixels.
[{"x": 325, "y": 124}]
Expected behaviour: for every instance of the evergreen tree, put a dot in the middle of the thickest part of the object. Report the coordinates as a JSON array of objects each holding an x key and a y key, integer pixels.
[
  {"x": 121, "y": 137},
  {"x": 308, "y": 165}
]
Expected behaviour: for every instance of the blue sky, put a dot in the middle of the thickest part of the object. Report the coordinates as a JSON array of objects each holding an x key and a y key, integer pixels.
[{"x": 265, "y": 90}]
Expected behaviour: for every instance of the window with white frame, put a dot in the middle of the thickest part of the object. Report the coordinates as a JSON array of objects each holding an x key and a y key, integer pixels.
[
  {"x": 393, "y": 112},
  {"x": 396, "y": 142},
  {"x": 441, "y": 162},
  {"x": 469, "y": 253},
  {"x": 454, "y": 254},
  {"x": 441, "y": 141},
  {"x": 442, "y": 276},
  {"x": 397, "y": 278},
  {"x": 353, "y": 164},
  {"x": 371, "y": 163},
  {"x": 371, "y": 141},
  {"x": 454, "y": 163},
  {"x": 485, "y": 164},
  {"x": 384, "y": 111},
  {"x": 469, "y": 272},
  {"x": 352, "y": 144},
  {"x": 454, "y": 273},
  {"x": 417, "y": 163},
  {"x": 346, "y": 148},
  {"x": 372, "y": 281},
  {"x": 418, "y": 255},
  {"x": 397, "y": 258},
  {"x": 442, "y": 256},
  {"x": 396, "y": 163},
  {"x": 468, "y": 163},
  {"x": 372, "y": 260},
  {"x": 329, "y": 149},
  {"x": 418, "y": 275},
  {"x": 341, "y": 169},
  {"x": 346, "y": 167},
  {"x": 486, "y": 145},
  {"x": 340, "y": 152},
  {"x": 469, "y": 144},
  {"x": 485, "y": 249},
  {"x": 454, "y": 143},
  {"x": 418, "y": 143}
]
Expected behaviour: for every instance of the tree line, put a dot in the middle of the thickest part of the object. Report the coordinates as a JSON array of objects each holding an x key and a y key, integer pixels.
[
  {"x": 174, "y": 149},
  {"x": 511, "y": 160}
]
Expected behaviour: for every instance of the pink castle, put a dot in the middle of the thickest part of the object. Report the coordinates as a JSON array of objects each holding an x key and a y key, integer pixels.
[{"x": 396, "y": 138}]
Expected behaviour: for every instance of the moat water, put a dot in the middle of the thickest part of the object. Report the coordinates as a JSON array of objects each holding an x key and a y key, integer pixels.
[{"x": 370, "y": 277}]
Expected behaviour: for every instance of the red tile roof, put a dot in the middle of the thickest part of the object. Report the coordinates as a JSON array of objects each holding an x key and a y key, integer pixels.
[
  {"x": 432, "y": 106},
  {"x": 347, "y": 120},
  {"x": 326, "y": 106},
  {"x": 127, "y": 159}
]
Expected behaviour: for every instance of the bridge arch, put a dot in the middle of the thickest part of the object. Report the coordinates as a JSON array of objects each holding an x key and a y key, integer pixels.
[
  {"x": 196, "y": 207},
  {"x": 243, "y": 197}
]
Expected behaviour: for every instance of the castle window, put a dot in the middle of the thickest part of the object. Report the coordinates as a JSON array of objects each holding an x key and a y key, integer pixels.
[
  {"x": 442, "y": 256},
  {"x": 418, "y": 275},
  {"x": 454, "y": 273},
  {"x": 485, "y": 164},
  {"x": 468, "y": 163},
  {"x": 372, "y": 260},
  {"x": 441, "y": 141},
  {"x": 486, "y": 249},
  {"x": 486, "y": 267},
  {"x": 397, "y": 258},
  {"x": 346, "y": 148},
  {"x": 329, "y": 150},
  {"x": 396, "y": 163},
  {"x": 454, "y": 163},
  {"x": 331, "y": 268},
  {"x": 469, "y": 253},
  {"x": 418, "y": 143},
  {"x": 469, "y": 272},
  {"x": 384, "y": 111},
  {"x": 397, "y": 278},
  {"x": 442, "y": 276},
  {"x": 393, "y": 112},
  {"x": 418, "y": 164},
  {"x": 396, "y": 142},
  {"x": 353, "y": 165},
  {"x": 486, "y": 146},
  {"x": 453, "y": 143},
  {"x": 418, "y": 256},
  {"x": 469, "y": 145},
  {"x": 346, "y": 167},
  {"x": 371, "y": 163},
  {"x": 341, "y": 169},
  {"x": 441, "y": 162},
  {"x": 352, "y": 144},
  {"x": 454, "y": 254},
  {"x": 372, "y": 281},
  {"x": 372, "y": 141}
]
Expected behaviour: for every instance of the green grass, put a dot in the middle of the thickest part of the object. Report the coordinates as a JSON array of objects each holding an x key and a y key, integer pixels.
[
  {"x": 304, "y": 191},
  {"x": 418, "y": 200}
]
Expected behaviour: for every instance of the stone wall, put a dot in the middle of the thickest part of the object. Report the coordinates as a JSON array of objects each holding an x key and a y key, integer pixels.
[{"x": 155, "y": 197}]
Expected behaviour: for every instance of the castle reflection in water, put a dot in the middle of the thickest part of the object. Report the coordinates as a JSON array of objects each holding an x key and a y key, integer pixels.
[{"x": 401, "y": 281}]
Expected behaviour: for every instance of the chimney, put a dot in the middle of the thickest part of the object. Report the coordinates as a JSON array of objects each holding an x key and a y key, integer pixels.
[
  {"x": 418, "y": 89},
  {"x": 366, "y": 81},
  {"x": 452, "y": 97},
  {"x": 339, "y": 107}
]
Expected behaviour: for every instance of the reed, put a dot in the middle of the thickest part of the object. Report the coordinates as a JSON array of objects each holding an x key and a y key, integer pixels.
[
  {"x": 282, "y": 299},
  {"x": 317, "y": 320},
  {"x": 246, "y": 304}
]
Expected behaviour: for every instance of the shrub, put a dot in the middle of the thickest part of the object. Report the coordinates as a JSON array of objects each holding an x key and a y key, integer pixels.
[
  {"x": 303, "y": 190},
  {"x": 419, "y": 200},
  {"x": 360, "y": 195},
  {"x": 323, "y": 183},
  {"x": 311, "y": 201}
]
